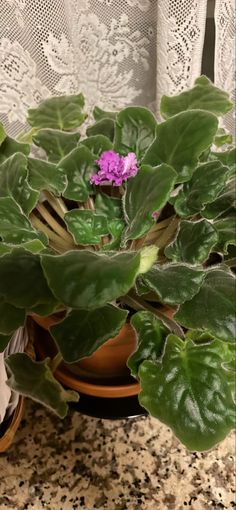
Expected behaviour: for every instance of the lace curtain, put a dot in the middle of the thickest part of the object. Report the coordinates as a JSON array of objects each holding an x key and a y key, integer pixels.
[
  {"x": 225, "y": 54},
  {"x": 116, "y": 53}
]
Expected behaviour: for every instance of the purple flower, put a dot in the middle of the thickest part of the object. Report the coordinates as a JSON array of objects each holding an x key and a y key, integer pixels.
[
  {"x": 156, "y": 215},
  {"x": 115, "y": 169}
]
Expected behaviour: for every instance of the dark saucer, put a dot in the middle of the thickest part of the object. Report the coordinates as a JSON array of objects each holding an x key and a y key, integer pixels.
[{"x": 109, "y": 408}]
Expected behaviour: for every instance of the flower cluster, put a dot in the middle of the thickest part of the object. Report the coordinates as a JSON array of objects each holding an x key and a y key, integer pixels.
[{"x": 115, "y": 169}]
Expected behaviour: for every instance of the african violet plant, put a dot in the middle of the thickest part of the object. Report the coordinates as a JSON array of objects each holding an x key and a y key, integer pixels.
[{"x": 134, "y": 215}]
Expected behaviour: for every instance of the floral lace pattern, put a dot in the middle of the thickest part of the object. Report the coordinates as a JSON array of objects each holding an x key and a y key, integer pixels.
[
  {"x": 116, "y": 53},
  {"x": 225, "y": 54}
]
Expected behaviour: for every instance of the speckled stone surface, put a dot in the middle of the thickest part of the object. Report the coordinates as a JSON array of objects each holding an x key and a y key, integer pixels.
[{"x": 88, "y": 463}]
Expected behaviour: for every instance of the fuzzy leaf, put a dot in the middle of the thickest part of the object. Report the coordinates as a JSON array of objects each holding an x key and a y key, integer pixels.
[
  {"x": 226, "y": 229},
  {"x": 105, "y": 126},
  {"x": 64, "y": 112},
  {"x": 97, "y": 144},
  {"x": 193, "y": 243},
  {"x": 145, "y": 194},
  {"x": 100, "y": 114},
  {"x": 34, "y": 379},
  {"x": 109, "y": 206},
  {"x": 14, "y": 183},
  {"x": 224, "y": 202},
  {"x": 89, "y": 280},
  {"x": 151, "y": 335},
  {"x": 181, "y": 140},
  {"x": 57, "y": 144},
  {"x": 11, "y": 318},
  {"x": 135, "y": 130},
  {"x": 34, "y": 246},
  {"x": 83, "y": 332},
  {"x": 22, "y": 282},
  {"x": 86, "y": 226},
  {"x": 206, "y": 183},
  {"x": 2, "y": 134},
  {"x": 213, "y": 308},
  {"x": 174, "y": 283},
  {"x": 15, "y": 227},
  {"x": 4, "y": 341},
  {"x": 203, "y": 96},
  {"x": 44, "y": 176},
  {"x": 227, "y": 158},
  {"x": 10, "y": 147},
  {"x": 190, "y": 389},
  {"x": 78, "y": 166},
  {"x": 222, "y": 137}
]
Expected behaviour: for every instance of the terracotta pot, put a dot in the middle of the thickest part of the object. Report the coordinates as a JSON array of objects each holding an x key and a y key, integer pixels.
[
  {"x": 96, "y": 374},
  {"x": 14, "y": 422}
]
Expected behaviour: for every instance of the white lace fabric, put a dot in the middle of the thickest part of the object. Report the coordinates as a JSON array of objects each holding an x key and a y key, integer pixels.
[
  {"x": 225, "y": 53},
  {"x": 116, "y": 53}
]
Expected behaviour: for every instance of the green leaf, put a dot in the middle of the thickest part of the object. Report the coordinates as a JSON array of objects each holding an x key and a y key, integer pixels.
[
  {"x": 86, "y": 226},
  {"x": 88, "y": 279},
  {"x": 213, "y": 308},
  {"x": 193, "y": 243},
  {"x": 109, "y": 206},
  {"x": 10, "y": 147},
  {"x": 100, "y": 114},
  {"x": 104, "y": 127},
  {"x": 222, "y": 137},
  {"x": 44, "y": 176},
  {"x": 206, "y": 183},
  {"x": 203, "y": 96},
  {"x": 145, "y": 194},
  {"x": 34, "y": 379},
  {"x": 15, "y": 227},
  {"x": 22, "y": 282},
  {"x": 78, "y": 166},
  {"x": 224, "y": 202},
  {"x": 35, "y": 246},
  {"x": 13, "y": 182},
  {"x": 83, "y": 332},
  {"x": 174, "y": 283},
  {"x": 226, "y": 228},
  {"x": 64, "y": 112},
  {"x": 2, "y": 133},
  {"x": 135, "y": 130},
  {"x": 181, "y": 140},
  {"x": 190, "y": 390},
  {"x": 11, "y": 318},
  {"x": 57, "y": 144},
  {"x": 4, "y": 341},
  {"x": 112, "y": 209},
  {"x": 116, "y": 229},
  {"x": 151, "y": 335},
  {"x": 227, "y": 158},
  {"x": 97, "y": 144}
]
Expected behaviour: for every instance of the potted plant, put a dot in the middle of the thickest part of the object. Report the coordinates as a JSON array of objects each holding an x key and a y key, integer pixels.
[{"x": 107, "y": 228}]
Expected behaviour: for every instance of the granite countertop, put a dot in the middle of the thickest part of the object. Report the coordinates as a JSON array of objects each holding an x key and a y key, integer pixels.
[{"x": 89, "y": 463}]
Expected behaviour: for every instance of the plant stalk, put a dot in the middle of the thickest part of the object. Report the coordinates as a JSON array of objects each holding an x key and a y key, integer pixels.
[
  {"x": 139, "y": 304},
  {"x": 55, "y": 362}
]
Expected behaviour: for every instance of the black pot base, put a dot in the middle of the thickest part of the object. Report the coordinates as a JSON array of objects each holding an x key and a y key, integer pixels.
[{"x": 109, "y": 408}]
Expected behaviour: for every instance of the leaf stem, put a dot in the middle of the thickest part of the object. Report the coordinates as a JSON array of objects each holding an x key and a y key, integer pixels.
[
  {"x": 139, "y": 304},
  {"x": 55, "y": 362},
  {"x": 230, "y": 262}
]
